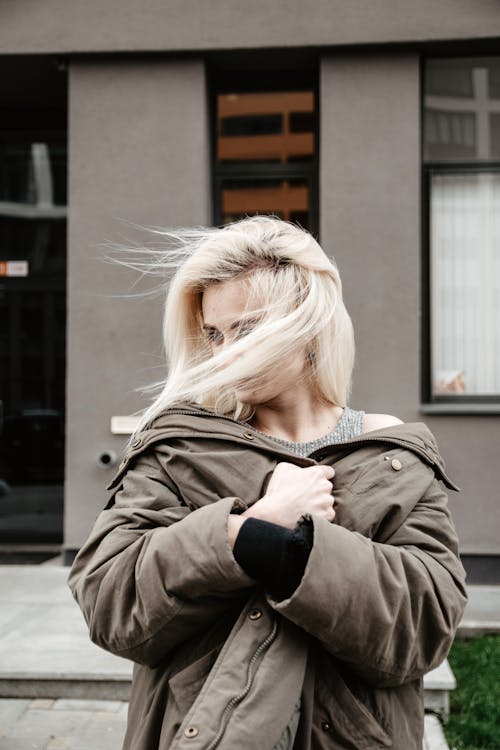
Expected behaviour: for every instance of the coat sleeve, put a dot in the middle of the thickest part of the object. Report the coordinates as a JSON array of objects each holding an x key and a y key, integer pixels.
[
  {"x": 152, "y": 573},
  {"x": 388, "y": 609}
]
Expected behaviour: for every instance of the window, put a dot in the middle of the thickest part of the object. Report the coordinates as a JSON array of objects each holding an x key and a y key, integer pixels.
[
  {"x": 265, "y": 149},
  {"x": 462, "y": 179}
]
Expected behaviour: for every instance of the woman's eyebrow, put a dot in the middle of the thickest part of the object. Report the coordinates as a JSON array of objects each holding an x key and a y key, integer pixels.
[{"x": 236, "y": 324}]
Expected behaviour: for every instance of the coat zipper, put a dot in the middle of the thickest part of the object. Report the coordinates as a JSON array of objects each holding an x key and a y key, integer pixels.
[{"x": 236, "y": 699}]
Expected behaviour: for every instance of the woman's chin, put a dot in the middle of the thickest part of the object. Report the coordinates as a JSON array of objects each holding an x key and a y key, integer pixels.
[
  {"x": 253, "y": 396},
  {"x": 245, "y": 396}
]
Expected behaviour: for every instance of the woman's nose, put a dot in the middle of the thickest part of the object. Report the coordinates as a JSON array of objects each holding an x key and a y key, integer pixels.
[{"x": 223, "y": 346}]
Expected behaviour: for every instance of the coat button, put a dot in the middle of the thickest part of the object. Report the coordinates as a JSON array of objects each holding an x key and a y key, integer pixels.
[
  {"x": 249, "y": 435},
  {"x": 396, "y": 465},
  {"x": 190, "y": 732},
  {"x": 255, "y": 614},
  {"x": 326, "y": 726}
]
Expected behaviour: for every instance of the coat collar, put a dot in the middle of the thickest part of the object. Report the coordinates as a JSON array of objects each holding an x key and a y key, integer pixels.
[{"x": 192, "y": 420}]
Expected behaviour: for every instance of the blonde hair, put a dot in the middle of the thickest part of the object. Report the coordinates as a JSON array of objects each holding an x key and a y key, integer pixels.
[{"x": 294, "y": 291}]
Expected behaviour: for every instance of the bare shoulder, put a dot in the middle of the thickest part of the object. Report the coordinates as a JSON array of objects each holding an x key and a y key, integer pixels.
[{"x": 377, "y": 421}]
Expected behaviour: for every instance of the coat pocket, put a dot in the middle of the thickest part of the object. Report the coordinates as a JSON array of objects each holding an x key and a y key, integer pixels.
[
  {"x": 352, "y": 720},
  {"x": 185, "y": 685},
  {"x": 287, "y": 739}
]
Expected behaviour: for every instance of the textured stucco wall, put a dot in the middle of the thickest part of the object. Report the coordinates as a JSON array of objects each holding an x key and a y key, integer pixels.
[
  {"x": 128, "y": 25},
  {"x": 138, "y": 150},
  {"x": 370, "y": 221}
]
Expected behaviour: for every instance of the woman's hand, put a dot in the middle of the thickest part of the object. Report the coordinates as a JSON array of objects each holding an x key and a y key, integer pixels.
[{"x": 293, "y": 491}]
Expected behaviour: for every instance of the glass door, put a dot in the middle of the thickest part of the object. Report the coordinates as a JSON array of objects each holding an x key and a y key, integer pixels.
[{"x": 32, "y": 335}]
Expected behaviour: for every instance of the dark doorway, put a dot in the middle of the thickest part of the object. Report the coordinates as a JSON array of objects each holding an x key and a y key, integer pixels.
[{"x": 33, "y": 208}]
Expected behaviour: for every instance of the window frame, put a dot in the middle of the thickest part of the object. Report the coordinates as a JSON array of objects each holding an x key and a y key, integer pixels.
[
  {"x": 443, "y": 403},
  {"x": 219, "y": 82}
]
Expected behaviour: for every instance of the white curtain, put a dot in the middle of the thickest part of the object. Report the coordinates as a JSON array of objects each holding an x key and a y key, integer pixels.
[{"x": 465, "y": 283}]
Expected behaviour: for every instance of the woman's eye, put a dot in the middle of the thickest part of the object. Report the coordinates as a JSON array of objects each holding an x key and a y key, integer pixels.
[
  {"x": 214, "y": 337},
  {"x": 244, "y": 331}
]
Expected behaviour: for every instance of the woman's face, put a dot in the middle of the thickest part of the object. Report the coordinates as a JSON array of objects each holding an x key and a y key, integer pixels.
[{"x": 226, "y": 317}]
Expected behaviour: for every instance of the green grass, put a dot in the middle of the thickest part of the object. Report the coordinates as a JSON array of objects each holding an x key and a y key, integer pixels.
[{"x": 474, "y": 722}]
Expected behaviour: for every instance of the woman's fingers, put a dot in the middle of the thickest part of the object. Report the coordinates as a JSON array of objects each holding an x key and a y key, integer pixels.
[
  {"x": 293, "y": 491},
  {"x": 330, "y": 516},
  {"x": 325, "y": 469},
  {"x": 328, "y": 470}
]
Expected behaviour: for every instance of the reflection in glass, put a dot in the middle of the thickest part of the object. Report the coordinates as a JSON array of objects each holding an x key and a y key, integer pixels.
[
  {"x": 286, "y": 198},
  {"x": 270, "y": 126},
  {"x": 31, "y": 476},
  {"x": 462, "y": 109},
  {"x": 251, "y": 125},
  {"x": 32, "y": 174},
  {"x": 495, "y": 136},
  {"x": 32, "y": 340}
]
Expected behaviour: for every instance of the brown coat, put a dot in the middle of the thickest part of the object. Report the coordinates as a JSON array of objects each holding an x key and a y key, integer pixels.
[{"x": 218, "y": 663}]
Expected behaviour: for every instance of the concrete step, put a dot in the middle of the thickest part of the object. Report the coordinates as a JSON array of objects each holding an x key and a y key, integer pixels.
[
  {"x": 482, "y": 613},
  {"x": 434, "y": 738},
  {"x": 45, "y": 650},
  {"x": 437, "y": 686}
]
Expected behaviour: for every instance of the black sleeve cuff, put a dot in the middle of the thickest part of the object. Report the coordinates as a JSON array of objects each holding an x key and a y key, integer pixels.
[{"x": 273, "y": 555}]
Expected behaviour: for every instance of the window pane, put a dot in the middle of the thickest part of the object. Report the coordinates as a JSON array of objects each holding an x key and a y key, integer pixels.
[
  {"x": 16, "y": 182},
  {"x": 33, "y": 174},
  {"x": 495, "y": 136},
  {"x": 301, "y": 122},
  {"x": 270, "y": 127},
  {"x": 465, "y": 284},
  {"x": 461, "y": 109},
  {"x": 250, "y": 125},
  {"x": 450, "y": 135},
  {"x": 286, "y": 198},
  {"x": 40, "y": 242}
]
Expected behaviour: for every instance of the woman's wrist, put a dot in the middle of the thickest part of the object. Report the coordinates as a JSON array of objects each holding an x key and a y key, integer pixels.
[
  {"x": 270, "y": 508},
  {"x": 262, "y": 511},
  {"x": 234, "y": 524},
  {"x": 258, "y": 511}
]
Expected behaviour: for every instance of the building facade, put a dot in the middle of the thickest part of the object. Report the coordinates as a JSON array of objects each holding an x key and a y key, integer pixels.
[{"x": 375, "y": 126}]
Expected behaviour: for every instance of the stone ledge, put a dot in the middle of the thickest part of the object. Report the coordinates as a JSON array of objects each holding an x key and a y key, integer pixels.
[
  {"x": 437, "y": 686},
  {"x": 434, "y": 738},
  {"x": 103, "y": 689}
]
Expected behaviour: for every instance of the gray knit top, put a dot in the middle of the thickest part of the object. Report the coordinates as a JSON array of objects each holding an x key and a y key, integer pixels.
[{"x": 349, "y": 425}]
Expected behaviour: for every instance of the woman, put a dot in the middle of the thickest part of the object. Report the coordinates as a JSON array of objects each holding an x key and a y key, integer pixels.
[{"x": 282, "y": 569}]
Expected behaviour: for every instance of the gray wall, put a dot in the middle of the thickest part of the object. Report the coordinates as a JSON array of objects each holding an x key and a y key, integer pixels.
[
  {"x": 138, "y": 150},
  {"x": 126, "y": 25},
  {"x": 370, "y": 222}
]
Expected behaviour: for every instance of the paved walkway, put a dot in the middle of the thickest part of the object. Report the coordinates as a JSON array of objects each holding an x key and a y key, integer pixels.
[
  {"x": 44, "y": 724},
  {"x": 54, "y": 681}
]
